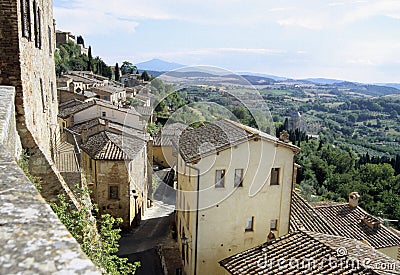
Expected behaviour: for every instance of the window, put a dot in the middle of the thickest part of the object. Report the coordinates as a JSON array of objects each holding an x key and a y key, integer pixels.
[
  {"x": 274, "y": 225},
  {"x": 26, "y": 19},
  {"x": 113, "y": 192},
  {"x": 37, "y": 25},
  {"x": 103, "y": 114},
  {"x": 249, "y": 224},
  {"x": 220, "y": 178},
  {"x": 50, "y": 41},
  {"x": 53, "y": 97},
  {"x": 238, "y": 182},
  {"x": 275, "y": 176},
  {"x": 43, "y": 96}
]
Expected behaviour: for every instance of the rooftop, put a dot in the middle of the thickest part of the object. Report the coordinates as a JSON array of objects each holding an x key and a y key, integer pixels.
[
  {"x": 304, "y": 252},
  {"x": 304, "y": 217},
  {"x": 169, "y": 133},
  {"x": 348, "y": 222},
  {"x": 108, "y": 89},
  {"x": 217, "y": 136},
  {"x": 72, "y": 107},
  {"x": 112, "y": 125},
  {"x": 339, "y": 219},
  {"x": 109, "y": 146}
]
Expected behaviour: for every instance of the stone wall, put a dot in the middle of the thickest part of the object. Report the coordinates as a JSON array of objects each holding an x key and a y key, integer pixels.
[
  {"x": 30, "y": 70},
  {"x": 32, "y": 239}
]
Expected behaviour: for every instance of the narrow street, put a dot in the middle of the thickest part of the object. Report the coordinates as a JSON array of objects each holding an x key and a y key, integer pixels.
[{"x": 142, "y": 242}]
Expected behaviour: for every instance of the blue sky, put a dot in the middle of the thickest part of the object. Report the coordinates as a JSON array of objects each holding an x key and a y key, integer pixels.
[{"x": 355, "y": 40}]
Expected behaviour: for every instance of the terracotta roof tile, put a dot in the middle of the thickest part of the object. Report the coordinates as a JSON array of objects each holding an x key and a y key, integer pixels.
[
  {"x": 304, "y": 217},
  {"x": 346, "y": 220},
  {"x": 170, "y": 134},
  {"x": 217, "y": 136},
  {"x": 109, "y": 146},
  {"x": 306, "y": 252},
  {"x": 338, "y": 219}
]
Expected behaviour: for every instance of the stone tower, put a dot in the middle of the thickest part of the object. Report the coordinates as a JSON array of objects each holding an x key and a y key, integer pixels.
[
  {"x": 27, "y": 63},
  {"x": 27, "y": 46}
]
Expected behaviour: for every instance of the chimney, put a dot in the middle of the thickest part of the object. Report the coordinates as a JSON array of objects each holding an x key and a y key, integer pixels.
[
  {"x": 284, "y": 136},
  {"x": 353, "y": 199}
]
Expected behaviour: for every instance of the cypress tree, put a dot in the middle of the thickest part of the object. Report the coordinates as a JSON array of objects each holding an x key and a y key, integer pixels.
[
  {"x": 90, "y": 65},
  {"x": 116, "y": 72}
]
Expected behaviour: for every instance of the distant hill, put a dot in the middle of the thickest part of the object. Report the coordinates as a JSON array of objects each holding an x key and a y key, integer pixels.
[
  {"x": 158, "y": 65},
  {"x": 393, "y": 85},
  {"x": 323, "y": 81},
  {"x": 274, "y": 77}
]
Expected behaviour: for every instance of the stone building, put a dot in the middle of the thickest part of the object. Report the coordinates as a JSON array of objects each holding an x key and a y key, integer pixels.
[
  {"x": 117, "y": 170},
  {"x": 234, "y": 191},
  {"x": 27, "y": 42},
  {"x": 27, "y": 63}
]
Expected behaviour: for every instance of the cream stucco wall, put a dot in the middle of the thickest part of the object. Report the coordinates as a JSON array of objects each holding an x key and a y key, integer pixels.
[
  {"x": 223, "y": 211},
  {"x": 163, "y": 155},
  {"x": 96, "y": 111}
]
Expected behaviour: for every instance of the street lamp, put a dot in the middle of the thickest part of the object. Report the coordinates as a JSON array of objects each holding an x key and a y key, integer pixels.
[{"x": 185, "y": 240}]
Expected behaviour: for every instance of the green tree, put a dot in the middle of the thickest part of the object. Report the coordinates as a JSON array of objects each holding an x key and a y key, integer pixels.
[
  {"x": 145, "y": 76},
  {"x": 116, "y": 72},
  {"x": 99, "y": 240},
  {"x": 127, "y": 67},
  {"x": 90, "y": 61}
]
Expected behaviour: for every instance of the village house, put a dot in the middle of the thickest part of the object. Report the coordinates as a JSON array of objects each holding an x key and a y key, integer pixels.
[
  {"x": 74, "y": 87},
  {"x": 344, "y": 219},
  {"x": 113, "y": 94},
  {"x": 164, "y": 151},
  {"x": 130, "y": 80},
  {"x": 234, "y": 191},
  {"x": 116, "y": 166},
  {"x": 305, "y": 252},
  {"x": 64, "y": 37},
  {"x": 75, "y": 112}
]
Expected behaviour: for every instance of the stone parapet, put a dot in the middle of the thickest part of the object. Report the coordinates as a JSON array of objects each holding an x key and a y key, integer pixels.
[{"x": 32, "y": 239}]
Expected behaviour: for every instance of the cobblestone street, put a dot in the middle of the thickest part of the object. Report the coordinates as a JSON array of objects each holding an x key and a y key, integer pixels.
[{"x": 153, "y": 236}]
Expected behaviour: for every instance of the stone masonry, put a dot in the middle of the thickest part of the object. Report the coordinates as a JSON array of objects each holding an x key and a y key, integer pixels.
[
  {"x": 32, "y": 239},
  {"x": 27, "y": 63}
]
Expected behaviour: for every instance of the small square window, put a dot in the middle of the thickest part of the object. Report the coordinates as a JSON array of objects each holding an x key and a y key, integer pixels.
[
  {"x": 220, "y": 178},
  {"x": 103, "y": 114},
  {"x": 238, "y": 181},
  {"x": 113, "y": 192},
  {"x": 249, "y": 224},
  {"x": 275, "y": 176},
  {"x": 274, "y": 225}
]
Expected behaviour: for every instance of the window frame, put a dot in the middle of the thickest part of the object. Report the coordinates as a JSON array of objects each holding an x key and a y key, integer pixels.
[
  {"x": 110, "y": 192},
  {"x": 271, "y": 182},
  {"x": 240, "y": 183},
  {"x": 221, "y": 182},
  {"x": 251, "y": 228},
  {"x": 276, "y": 225}
]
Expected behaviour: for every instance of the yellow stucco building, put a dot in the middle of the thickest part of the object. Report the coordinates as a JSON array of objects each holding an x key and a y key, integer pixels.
[{"x": 234, "y": 192}]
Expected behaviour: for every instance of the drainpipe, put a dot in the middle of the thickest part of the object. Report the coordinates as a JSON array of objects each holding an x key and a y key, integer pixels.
[{"x": 197, "y": 216}]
